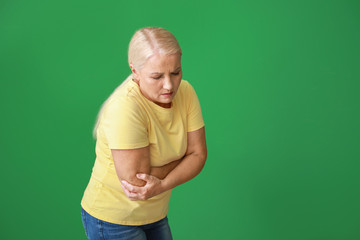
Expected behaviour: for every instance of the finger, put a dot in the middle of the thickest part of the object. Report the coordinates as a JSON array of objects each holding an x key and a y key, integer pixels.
[
  {"x": 134, "y": 199},
  {"x": 126, "y": 185},
  {"x": 130, "y": 194},
  {"x": 129, "y": 186},
  {"x": 137, "y": 198},
  {"x": 144, "y": 176},
  {"x": 127, "y": 192}
]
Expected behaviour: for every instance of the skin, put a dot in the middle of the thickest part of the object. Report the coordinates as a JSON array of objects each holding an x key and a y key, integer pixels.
[
  {"x": 190, "y": 166},
  {"x": 129, "y": 162},
  {"x": 159, "y": 80}
]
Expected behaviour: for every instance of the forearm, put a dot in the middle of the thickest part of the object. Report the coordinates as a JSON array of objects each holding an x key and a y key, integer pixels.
[
  {"x": 190, "y": 166},
  {"x": 186, "y": 169},
  {"x": 175, "y": 173},
  {"x": 159, "y": 172},
  {"x": 163, "y": 171}
]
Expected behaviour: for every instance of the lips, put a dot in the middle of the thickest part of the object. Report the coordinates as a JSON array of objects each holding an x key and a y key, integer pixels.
[{"x": 167, "y": 94}]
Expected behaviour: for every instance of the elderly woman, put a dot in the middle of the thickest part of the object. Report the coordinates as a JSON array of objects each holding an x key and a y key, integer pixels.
[{"x": 150, "y": 138}]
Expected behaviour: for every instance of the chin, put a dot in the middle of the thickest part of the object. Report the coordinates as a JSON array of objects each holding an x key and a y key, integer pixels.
[
  {"x": 167, "y": 100},
  {"x": 164, "y": 103}
]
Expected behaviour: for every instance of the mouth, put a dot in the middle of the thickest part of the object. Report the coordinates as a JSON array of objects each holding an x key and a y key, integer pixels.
[{"x": 167, "y": 94}]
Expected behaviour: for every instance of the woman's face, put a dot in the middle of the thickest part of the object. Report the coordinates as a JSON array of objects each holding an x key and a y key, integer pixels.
[{"x": 160, "y": 77}]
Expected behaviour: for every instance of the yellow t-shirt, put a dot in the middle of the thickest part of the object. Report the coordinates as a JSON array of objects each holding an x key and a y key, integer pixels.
[{"x": 129, "y": 121}]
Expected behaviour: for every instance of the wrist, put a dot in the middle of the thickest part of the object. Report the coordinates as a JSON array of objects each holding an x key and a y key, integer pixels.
[{"x": 165, "y": 185}]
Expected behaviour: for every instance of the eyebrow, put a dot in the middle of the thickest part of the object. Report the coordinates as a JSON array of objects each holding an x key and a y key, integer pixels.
[{"x": 162, "y": 73}]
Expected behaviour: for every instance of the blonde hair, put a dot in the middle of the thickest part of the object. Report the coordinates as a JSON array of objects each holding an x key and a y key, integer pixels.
[{"x": 144, "y": 43}]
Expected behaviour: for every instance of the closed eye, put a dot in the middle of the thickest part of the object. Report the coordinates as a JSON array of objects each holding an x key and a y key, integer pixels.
[{"x": 160, "y": 76}]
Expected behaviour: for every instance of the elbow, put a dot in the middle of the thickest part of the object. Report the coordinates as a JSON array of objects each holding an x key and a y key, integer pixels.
[
  {"x": 130, "y": 177},
  {"x": 202, "y": 156},
  {"x": 133, "y": 180},
  {"x": 203, "y": 160}
]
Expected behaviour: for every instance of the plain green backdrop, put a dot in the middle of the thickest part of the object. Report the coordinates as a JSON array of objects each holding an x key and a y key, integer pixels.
[{"x": 278, "y": 83}]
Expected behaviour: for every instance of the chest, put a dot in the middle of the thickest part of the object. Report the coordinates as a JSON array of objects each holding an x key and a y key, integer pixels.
[{"x": 167, "y": 136}]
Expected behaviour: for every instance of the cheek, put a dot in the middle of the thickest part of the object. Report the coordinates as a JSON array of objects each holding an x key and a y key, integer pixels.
[
  {"x": 178, "y": 79},
  {"x": 152, "y": 87}
]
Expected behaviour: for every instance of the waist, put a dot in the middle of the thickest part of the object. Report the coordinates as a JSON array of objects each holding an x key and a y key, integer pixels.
[{"x": 105, "y": 199}]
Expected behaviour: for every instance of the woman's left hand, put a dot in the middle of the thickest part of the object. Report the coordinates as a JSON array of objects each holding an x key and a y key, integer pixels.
[{"x": 152, "y": 188}]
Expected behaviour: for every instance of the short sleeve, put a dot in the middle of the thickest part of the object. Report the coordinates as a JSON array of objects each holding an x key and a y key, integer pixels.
[
  {"x": 124, "y": 125},
  {"x": 194, "y": 115}
]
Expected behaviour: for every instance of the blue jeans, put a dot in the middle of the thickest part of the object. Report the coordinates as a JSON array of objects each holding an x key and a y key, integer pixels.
[{"x": 97, "y": 229}]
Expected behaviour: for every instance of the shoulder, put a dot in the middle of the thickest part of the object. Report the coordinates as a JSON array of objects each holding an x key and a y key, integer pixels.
[
  {"x": 185, "y": 87},
  {"x": 127, "y": 91},
  {"x": 185, "y": 95},
  {"x": 124, "y": 100},
  {"x": 184, "y": 84}
]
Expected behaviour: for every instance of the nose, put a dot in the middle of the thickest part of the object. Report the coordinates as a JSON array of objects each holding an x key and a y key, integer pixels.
[{"x": 168, "y": 84}]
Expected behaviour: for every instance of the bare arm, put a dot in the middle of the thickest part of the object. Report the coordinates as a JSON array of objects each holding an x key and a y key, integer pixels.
[
  {"x": 163, "y": 171},
  {"x": 193, "y": 162},
  {"x": 188, "y": 168},
  {"x": 129, "y": 162}
]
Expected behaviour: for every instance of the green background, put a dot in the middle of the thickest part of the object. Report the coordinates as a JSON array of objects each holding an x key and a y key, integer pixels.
[{"x": 279, "y": 87}]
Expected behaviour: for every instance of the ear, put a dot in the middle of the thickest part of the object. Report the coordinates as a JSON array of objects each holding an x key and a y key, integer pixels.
[{"x": 133, "y": 70}]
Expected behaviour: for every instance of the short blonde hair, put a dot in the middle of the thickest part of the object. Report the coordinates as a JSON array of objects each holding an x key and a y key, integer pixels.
[
  {"x": 145, "y": 43},
  {"x": 149, "y": 41}
]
